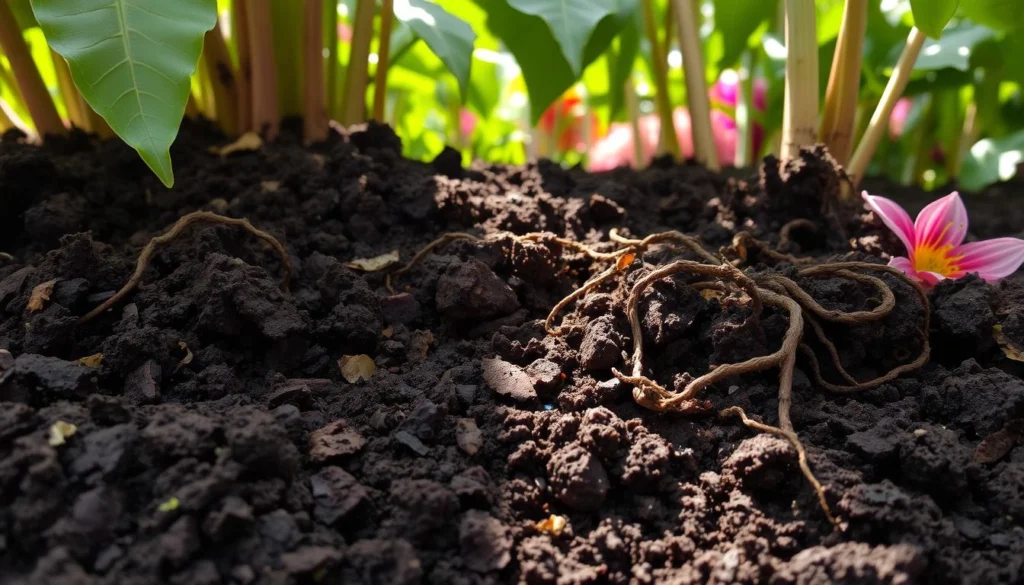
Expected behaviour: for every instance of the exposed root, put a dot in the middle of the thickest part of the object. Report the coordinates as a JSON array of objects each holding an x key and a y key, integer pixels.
[
  {"x": 444, "y": 239},
  {"x": 549, "y": 325},
  {"x": 805, "y": 468},
  {"x": 742, "y": 241},
  {"x": 6, "y": 257},
  {"x": 198, "y": 216},
  {"x": 785, "y": 234}
]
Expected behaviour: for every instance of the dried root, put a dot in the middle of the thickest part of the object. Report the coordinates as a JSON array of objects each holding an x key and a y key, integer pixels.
[
  {"x": 198, "y": 216},
  {"x": 774, "y": 290}
]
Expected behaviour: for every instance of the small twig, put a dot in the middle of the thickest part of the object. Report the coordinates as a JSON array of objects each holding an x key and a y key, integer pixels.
[
  {"x": 790, "y": 436},
  {"x": 7, "y": 257},
  {"x": 786, "y": 231},
  {"x": 578, "y": 293},
  {"x": 198, "y": 216}
]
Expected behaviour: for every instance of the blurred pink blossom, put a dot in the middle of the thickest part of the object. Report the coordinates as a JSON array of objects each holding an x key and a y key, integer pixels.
[
  {"x": 616, "y": 148},
  {"x": 898, "y": 118}
]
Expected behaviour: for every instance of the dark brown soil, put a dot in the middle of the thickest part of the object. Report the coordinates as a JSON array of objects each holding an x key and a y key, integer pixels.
[{"x": 217, "y": 441}]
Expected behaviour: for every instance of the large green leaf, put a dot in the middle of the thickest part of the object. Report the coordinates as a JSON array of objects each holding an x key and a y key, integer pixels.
[
  {"x": 931, "y": 16},
  {"x": 22, "y": 10},
  {"x": 132, "y": 61},
  {"x": 1004, "y": 15},
  {"x": 952, "y": 50},
  {"x": 572, "y": 22},
  {"x": 447, "y": 35},
  {"x": 620, "y": 65},
  {"x": 545, "y": 69}
]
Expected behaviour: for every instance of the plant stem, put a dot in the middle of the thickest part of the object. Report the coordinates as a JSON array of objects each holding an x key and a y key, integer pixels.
[
  {"x": 33, "y": 90},
  {"x": 287, "y": 18},
  {"x": 667, "y": 141},
  {"x": 331, "y": 44},
  {"x": 744, "y": 106},
  {"x": 264, "y": 77},
  {"x": 353, "y": 108},
  {"x": 800, "y": 111},
  {"x": 837, "y": 121},
  {"x": 222, "y": 80},
  {"x": 314, "y": 105},
  {"x": 696, "y": 85},
  {"x": 380, "y": 79},
  {"x": 72, "y": 99},
  {"x": 633, "y": 109},
  {"x": 6, "y": 123},
  {"x": 880, "y": 119},
  {"x": 969, "y": 136},
  {"x": 240, "y": 32}
]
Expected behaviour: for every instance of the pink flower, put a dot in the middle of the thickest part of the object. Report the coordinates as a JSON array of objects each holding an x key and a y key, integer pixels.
[{"x": 934, "y": 242}]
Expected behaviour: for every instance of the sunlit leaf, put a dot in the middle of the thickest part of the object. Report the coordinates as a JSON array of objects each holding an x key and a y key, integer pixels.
[
  {"x": 931, "y": 16},
  {"x": 621, "y": 62},
  {"x": 991, "y": 160},
  {"x": 572, "y": 22},
  {"x": 447, "y": 35},
  {"x": 736, "y": 21},
  {"x": 1004, "y": 15},
  {"x": 952, "y": 50},
  {"x": 132, "y": 61}
]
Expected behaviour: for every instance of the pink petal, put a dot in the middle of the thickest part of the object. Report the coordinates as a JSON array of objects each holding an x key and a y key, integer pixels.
[
  {"x": 942, "y": 222},
  {"x": 930, "y": 279},
  {"x": 894, "y": 217},
  {"x": 992, "y": 259}
]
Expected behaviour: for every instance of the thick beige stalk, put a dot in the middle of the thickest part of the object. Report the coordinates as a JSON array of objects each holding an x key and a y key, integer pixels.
[
  {"x": 880, "y": 119},
  {"x": 633, "y": 110},
  {"x": 30, "y": 83},
  {"x": 72, "y": 99},
  {"x": 222, "y": 77},
  {"x": 380, "y": 78},
  {"x": 839, "y": 116},
  {"x": 264, "y": 75},
  {"x": 353, "y": 107},
  {"x": 800, "y": 110},
  {"x": 314, "y": 98},
  {"x": 667, "y": 143},
  {"x": 696, "y": 85}
]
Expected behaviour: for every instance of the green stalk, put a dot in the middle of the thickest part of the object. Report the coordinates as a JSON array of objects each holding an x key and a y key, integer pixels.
[
  {"x": 380, "y": 78},
  {"x": 633, "y": 108},
  {"x": 331, "y": 44},
  {"x": 667, "y": 141},
  {"x": 880, "y": 119},
  {"x": 353, "y": 107},
  {"x": 837, "y": 120},
  {"x": 240, "y": 32},
  {"x": 314, "y": 106},
  {"x": 221, "y": 75},
  {"x": 287, "y": 27},
  {"x": 800, "y": 110},
  {"x": 264, "y": 77},
  {"x": 969, "y": 135},
  {"x": 37, "y": 98},
  {"x": 744, "y": 107},
  {"x": 696, "y": 85}
]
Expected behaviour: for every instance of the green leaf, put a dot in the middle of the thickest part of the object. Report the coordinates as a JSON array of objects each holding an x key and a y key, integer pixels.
[
  {"x": 22, "y": 10},
  {"x": 952, "y": 50},
  {"x": 736, "y": 21},
  {"x": 132, "y": 61},
  {"x": 286, "y": 36},
  {"x": 572, "y": 22},
  {"x": 545, "y": 69},
  {"x": 447, "y": 35},
  {"x": 1002, "y": 15},
  {"x": 991, "y": 160},
  {"x": 931, "y": 16}
]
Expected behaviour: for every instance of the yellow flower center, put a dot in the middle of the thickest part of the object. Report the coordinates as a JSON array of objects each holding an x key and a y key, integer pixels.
[{"x": 937, "y": 259}]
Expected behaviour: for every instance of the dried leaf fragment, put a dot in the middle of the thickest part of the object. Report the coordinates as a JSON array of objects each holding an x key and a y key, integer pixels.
[
  {"x": 624, "y": 260},
  {"x": 468, "y": 435},
  {"x": 1010, "y": 350},
  {"x": 375, "y": 264},
  {"x": 40, "y": 294},
  {"x": 91, "y": 361},
  {"x": 553, "y": 525},
  {"x": 247, "y": 141},
  {"x": 60, "y": 431},
  {"x": 995, "y": 446},
  {"x": 270, "y": 186},
  {"x": 356, "y": 367}
]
